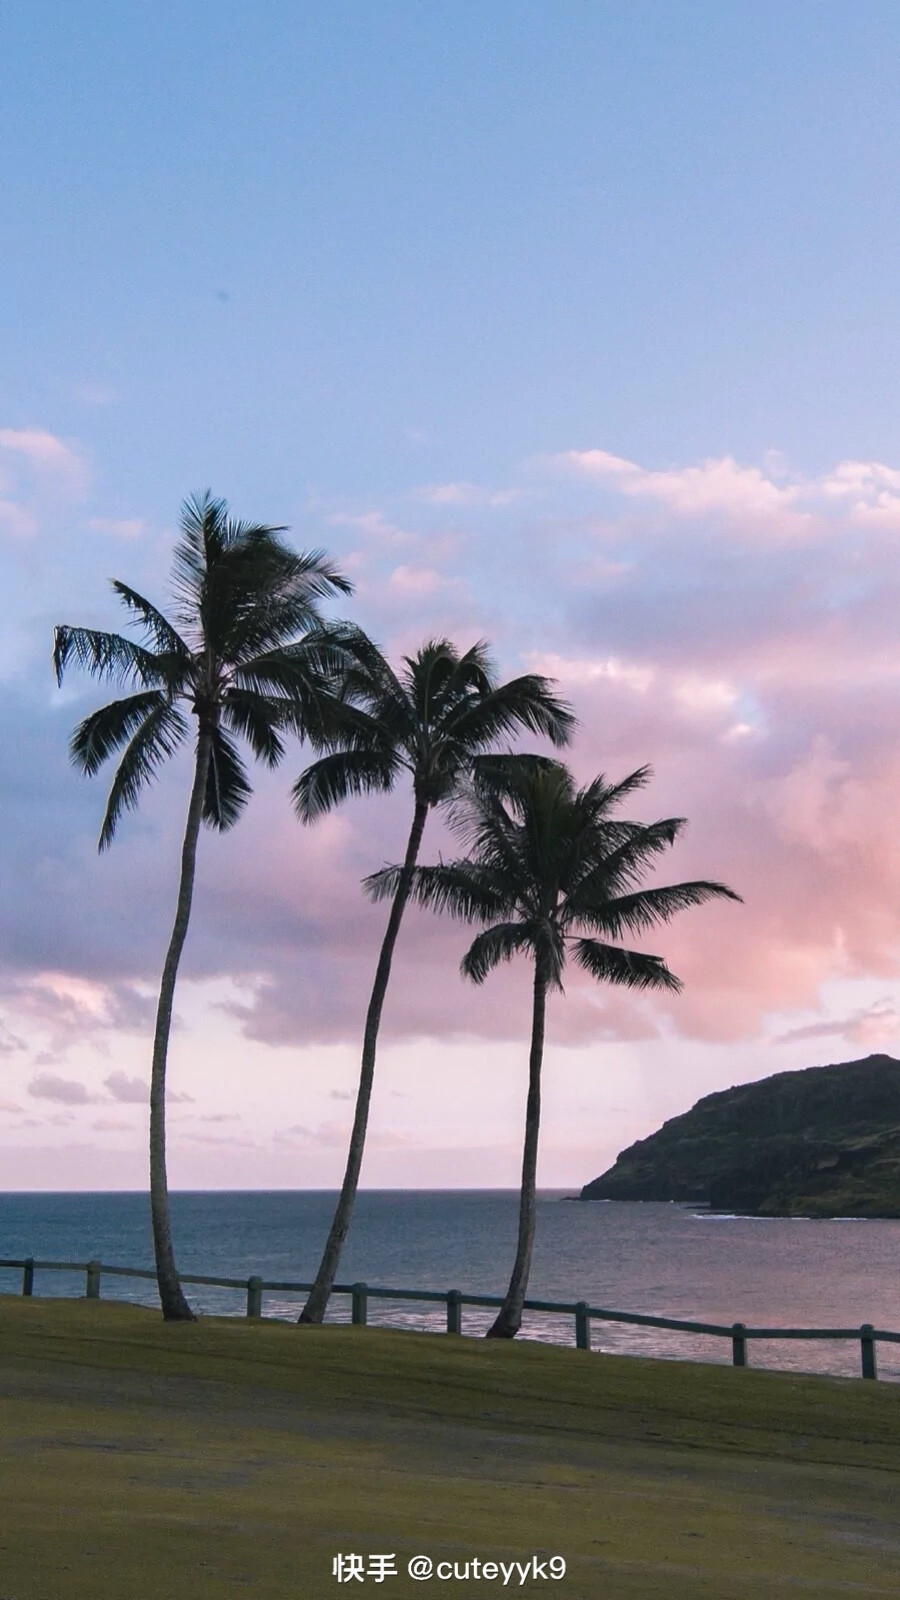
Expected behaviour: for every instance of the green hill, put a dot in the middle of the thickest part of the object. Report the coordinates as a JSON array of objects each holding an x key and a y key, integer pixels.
[{"x": 824, "y": 1142}]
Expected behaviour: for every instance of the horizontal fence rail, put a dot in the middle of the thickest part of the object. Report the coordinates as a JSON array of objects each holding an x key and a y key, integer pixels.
[{"x": 454, "y": 1300}]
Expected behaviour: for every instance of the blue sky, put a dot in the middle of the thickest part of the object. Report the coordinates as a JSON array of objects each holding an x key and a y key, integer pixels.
[
  {"x": 450, "y": 235},
  {"x": 570, "y": 324}
]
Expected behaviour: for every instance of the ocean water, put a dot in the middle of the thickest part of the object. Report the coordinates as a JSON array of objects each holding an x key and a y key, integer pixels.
[{"x": 668, "y": 1260}]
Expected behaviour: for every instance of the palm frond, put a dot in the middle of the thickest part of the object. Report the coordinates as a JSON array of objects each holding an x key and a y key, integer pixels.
[
  {"x": 491, "y": 835},
  {"x": 312, "y": 664},
  {"x": 525, "y": 704},
  {"x": 334, "y": 778},
  {"x": 202, "y": 526},
  {"x": 464, "y": 889},
  {"x": 647, "y": 908},
  {"x": 499, "y": 943},
  {"x": 251, "y": 623},
  {"x": 257, "y": 717},
  {"x": 157, "y": 737},
  {"x": 599, "y": 797},
  {"x": 106, "y": 730},
  {"x": 104, "y": 655},
  {"x": 330, "y": 723},
  {"x": 165, "y": 637},
  {"x": 474, "y": 670},
  {"x": 227, "y": 786},
  {"x": 610, "y": 856},
  {"x": 383, "y": 884},
  {"x": 369, "y": 673},
  {"x": 426, "y": 673},
  {"x": 310, "y": 572},
  {"x": 503, "y": 774},
  {"x": 630, "y": 969},
  {"x": 262, "y": 594}
]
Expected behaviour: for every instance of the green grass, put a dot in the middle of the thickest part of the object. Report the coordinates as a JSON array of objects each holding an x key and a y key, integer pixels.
[{"x": 229, "y": 1459}]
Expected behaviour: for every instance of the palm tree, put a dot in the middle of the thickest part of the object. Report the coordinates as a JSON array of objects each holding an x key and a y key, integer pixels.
[
  {"x": 549, "y": 868},
  {"x": 247, "y": 654},
  {"x": 435, "y": 721}
]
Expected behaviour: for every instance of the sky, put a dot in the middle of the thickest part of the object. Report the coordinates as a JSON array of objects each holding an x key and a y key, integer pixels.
[{"x": 571, "y": 326}]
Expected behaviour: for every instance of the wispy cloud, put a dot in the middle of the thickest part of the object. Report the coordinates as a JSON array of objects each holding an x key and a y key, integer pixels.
[
  {"x": 375, "y": 527},
  {"x": 128, "y": 528},
  {"x": 718, "y": 487},
  {"x": 467, "y": 494},
  {"x": 49, "y": 457},
  {"x": 418, "y": 581},
  {"x": 333, "y": 1136},
  {"x": 869, "y": 1027},
  {"x": 38, "y": 471},
  {"x": 769, "y": 500}
]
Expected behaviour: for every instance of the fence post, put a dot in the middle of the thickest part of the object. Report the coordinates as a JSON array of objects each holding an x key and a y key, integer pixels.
[
  {"x": 454, "y": 1311},
  {"x": 28, "y": 1276},
  {"x": 739, "y": 1344},
  {"x": 582, "y": 1326},
  {"x": 92, "y": 1284},
  {"x": 359, "y": 1302},
  {"x": 867, "y": 1349},
  {"x": 254, "y": 1297}
]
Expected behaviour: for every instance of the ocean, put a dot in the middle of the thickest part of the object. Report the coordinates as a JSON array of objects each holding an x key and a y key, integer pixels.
[{"x": 668, "y": 1260}]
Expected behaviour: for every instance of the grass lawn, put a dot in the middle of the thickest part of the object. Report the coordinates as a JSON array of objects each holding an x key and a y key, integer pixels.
[{"x": 226, "y": 1458}]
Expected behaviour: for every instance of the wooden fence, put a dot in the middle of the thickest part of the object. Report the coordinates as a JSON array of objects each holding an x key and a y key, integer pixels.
[{"x": 454, "y": 1300}]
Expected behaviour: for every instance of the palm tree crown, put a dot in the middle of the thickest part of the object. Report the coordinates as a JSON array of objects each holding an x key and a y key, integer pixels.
[
  {"x": 443, "y": 711},
  {"x": 553, "y": 873},
  {"x": 247, "y": 653}
]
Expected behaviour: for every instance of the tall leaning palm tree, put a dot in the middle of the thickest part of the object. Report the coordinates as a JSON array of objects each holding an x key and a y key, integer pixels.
[
  {"x": 247, "y": 655},
  {"x": 434, "y": 722},
  {"x": 551, "y": 872}
]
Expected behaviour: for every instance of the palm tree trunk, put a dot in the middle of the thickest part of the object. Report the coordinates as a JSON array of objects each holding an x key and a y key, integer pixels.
[
  {"x": 319, "y": 1295},
  {"x": 509, "y": 1317},
  {"x": 174, "y": 1305}
]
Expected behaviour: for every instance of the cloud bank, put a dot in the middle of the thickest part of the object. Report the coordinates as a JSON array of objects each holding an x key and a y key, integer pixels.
[{"x": 731, "y": 623}]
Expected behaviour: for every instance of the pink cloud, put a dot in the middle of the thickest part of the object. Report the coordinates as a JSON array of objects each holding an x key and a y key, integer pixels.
[
  {"x": 46, "y": 455},
  {"x": 861, "y": 479},
  {"x": 759, "y": 676},
  {"x": 417, "y": 581},
  {"x": 70, "y": 1008},
  {"x": 719, "y": 487}
]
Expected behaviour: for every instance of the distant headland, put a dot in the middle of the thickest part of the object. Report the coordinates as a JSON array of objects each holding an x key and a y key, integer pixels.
[{"x": 823, "y": 1142}]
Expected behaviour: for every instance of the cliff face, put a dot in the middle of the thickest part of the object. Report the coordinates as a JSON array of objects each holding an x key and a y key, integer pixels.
[{"x": 823, "y": 1142}]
